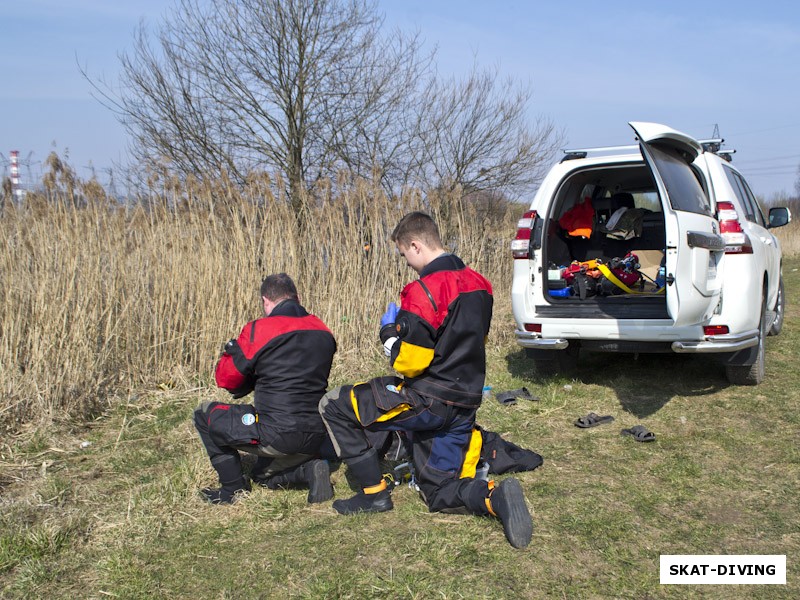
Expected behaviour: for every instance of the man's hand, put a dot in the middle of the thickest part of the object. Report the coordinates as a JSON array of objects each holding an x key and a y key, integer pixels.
[
  {"x": 228, "y": 346},
  {"x": 388, "y": 333},
  {"x": 390, "y": 316}
]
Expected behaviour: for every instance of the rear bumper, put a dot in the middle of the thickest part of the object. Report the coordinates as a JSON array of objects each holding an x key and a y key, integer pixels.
[
  {"x": 526, "y": 339},
  {"x": 718, "y": 343},
  {"x": 708, "y": 345}
]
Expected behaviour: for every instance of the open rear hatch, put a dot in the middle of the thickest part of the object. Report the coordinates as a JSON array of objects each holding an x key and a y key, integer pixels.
[
  {"x": 694, "y": 248},
  {"x": 618, "y": 234}
]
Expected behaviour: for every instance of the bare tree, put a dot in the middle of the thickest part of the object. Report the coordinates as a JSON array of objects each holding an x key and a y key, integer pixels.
[
  {"x": 306, "y": 88},
  {"x": 477, "y": 135},
  {"x": 302, "y": 87}
]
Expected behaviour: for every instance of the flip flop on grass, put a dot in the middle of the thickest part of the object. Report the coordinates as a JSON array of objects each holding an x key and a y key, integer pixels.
[
  {"x": 640, "y": 433},
  {"x": 592, "y": 420},
  {"x": 512, "y": 396}
]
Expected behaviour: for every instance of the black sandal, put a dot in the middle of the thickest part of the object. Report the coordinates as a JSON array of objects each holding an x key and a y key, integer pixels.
[
  {"x": 512, "y": 396},
  {"x": 592, "y": 420},
  {"x": 640, "y": 433}
]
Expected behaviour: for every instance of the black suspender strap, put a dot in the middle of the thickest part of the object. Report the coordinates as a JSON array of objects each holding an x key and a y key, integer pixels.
[{"x": 429, "y": 295}]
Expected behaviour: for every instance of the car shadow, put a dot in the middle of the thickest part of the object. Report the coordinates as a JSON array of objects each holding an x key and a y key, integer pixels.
[{"x": 643, "y": 383}]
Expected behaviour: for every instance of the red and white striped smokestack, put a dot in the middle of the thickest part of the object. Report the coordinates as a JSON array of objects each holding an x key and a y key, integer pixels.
[{"x": 15, "y": 189}]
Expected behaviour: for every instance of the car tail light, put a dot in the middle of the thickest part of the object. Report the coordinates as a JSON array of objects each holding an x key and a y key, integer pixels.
[
  {"x": 534, "y": 327},
  {"x": 521, "y": 243},
  {"x": 736, "y": 240},
  {"x": 715, "y": 330}
]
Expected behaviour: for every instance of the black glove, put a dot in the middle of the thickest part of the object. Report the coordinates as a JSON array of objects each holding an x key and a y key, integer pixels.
[{"x": 228, "y": 346}]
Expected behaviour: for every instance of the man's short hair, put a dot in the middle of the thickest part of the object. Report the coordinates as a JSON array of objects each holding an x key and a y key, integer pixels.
[
  {"x": 278, "y": 287},
  {"x": 417, "y": 226}
]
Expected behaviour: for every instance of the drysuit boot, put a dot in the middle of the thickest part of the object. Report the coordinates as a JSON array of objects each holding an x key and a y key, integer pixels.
[
  {"x": 375, "y": 496},
  {"x": 365, "y": 503},
  {"x": 507, "y": 503},
  {"x": 314, "y": 474},
  {"x": 227, "y": 494},
  {"x": 317, "y": 475},
  {"x": 231, "y": 481},
  {"x": 258, "y": 472}
]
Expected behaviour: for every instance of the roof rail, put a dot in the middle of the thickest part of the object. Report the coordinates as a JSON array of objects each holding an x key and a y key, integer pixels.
[
  {"x": 584, "y": 152},
  {"x": 711, "y": 145},
  {"x": 726, "y": 154},
  {"x": 715, "y": 146}
]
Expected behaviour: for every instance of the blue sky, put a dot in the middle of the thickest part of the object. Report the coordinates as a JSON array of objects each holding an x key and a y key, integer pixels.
[{"x": 593, "y": 67}]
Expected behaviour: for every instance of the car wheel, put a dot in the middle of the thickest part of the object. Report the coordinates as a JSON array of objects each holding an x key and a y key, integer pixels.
[
  {"x": 777, "y": 323},
  {"x": 752, "y": 374}
]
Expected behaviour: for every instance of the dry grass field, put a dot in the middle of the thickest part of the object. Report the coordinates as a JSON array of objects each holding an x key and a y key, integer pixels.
[{"x": 789, "y": 235}]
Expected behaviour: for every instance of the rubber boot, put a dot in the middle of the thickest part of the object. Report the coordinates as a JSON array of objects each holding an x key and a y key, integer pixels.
[
  {"x": 375, "y": 496},
  {"x": 283, "y": 480},
  {"x": 314, "y": 474},
  {"x": 507, "y": 503},
  {"x": 317, "y": 475},
  {"x": 258, "y": 472},
  {"x": 229, "y": 470},
  {"x": 227, "y": 494},
  {"x": 365, "y": 502}
]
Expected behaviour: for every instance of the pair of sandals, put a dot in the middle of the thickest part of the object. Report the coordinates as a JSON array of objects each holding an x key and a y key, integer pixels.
[{"x": 639, "y": 433}]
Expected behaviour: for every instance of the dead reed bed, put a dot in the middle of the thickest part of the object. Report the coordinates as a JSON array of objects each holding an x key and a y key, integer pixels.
[
  {"x": 98, "y": 300},
  {"x": 789, "y": 235}
]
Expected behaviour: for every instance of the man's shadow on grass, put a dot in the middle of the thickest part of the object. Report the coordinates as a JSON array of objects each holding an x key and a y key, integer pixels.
[{"x": 643, "y": 383}]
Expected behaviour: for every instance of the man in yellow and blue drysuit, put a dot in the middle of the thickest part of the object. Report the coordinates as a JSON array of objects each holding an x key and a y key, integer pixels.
[{"x": 436, "y": 340}]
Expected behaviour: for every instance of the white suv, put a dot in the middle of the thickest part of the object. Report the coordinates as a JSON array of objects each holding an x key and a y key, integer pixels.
[{"x": 656, "y": 247}]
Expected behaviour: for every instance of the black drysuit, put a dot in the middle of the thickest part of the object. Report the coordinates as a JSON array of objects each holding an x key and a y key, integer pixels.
[{"x": 285, "y": 359}]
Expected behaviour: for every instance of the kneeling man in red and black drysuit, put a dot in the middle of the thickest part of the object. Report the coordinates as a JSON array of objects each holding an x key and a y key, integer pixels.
[
  {"x": 285, "y": 359},
  {"x": 436, "y": 340}
]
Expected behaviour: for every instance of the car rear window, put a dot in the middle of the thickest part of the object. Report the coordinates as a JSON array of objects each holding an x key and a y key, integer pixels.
[{"x": 684, "y": 189}]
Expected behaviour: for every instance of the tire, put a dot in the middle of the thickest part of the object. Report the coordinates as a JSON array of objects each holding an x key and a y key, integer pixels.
[
  {"x": 777, "y": 323},
  {"x": 752, "y": 374}
]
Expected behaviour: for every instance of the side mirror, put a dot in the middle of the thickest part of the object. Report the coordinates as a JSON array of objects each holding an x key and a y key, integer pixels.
[{"x": 779, "y": 216}]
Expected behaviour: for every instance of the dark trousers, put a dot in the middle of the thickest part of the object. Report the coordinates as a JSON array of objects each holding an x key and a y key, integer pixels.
[
  {"x": 442, "y": 438},
  {"x": 227, "y": 429}
]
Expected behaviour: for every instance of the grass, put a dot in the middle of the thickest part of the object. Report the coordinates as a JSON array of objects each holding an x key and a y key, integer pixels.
[{"x": 120, "y": 517}]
